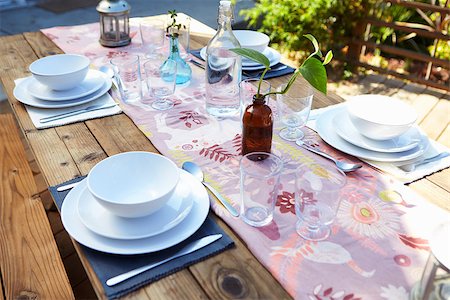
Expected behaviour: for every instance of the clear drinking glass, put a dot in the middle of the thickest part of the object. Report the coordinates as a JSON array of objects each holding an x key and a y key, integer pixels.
[
  {"x": 152, "y": 36},
  {"x": 293, "y": 110},
  {"x": 318, "y": 192},
  {"x": 161, "y": 76},
  {"x": 127, "y": 71},
  {"x": 260, "y": 177}
]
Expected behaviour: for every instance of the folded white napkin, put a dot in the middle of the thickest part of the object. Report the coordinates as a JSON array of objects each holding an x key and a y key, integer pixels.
[
  {"x": 36, "y": 114},
  {"x": 393, "y": 168}
]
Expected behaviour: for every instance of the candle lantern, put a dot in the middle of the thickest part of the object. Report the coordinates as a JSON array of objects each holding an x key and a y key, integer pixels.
[
  {"x": 435, "y": 281},
  {"x": 114, "y": 23}
]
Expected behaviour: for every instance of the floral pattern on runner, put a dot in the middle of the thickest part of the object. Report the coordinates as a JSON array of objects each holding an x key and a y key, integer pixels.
[{"x": 379, "y": 241}]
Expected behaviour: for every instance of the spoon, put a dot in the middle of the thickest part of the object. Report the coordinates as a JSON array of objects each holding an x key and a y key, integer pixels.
[
  {"x": 195, "y": 170},
  {"x": 343, "y": 166}
]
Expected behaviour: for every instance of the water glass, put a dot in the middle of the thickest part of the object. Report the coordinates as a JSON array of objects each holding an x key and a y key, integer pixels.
[
  {"x": 318, "y": 192},
  {"x": 161, "y": 81},
  {"x": 293, "y": 110},
  {"x": 127, "y": 72},
  {"x": 248, "y": 88},
  {"x": 152, "y": 35},
  {"x": 260, "y": 177}
]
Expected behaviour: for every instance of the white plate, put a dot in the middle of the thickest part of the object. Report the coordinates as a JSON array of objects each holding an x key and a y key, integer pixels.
[
  {"x": 93, "y": 81},
  {"x": 179, "y": 233},
  {"x": 22, "y": 95},
  {"x": 346, "y": 130},
  {"x": 101, "y": 221},
  {"x": 326, "y": 130},
  {"x": 247, "y": 65}
]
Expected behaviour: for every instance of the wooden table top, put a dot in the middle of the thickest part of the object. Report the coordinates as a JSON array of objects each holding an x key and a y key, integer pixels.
[{"x": 72, "y": 150}]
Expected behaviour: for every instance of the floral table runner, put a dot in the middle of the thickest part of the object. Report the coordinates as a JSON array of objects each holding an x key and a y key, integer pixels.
[{"x": 379, "y": 242}]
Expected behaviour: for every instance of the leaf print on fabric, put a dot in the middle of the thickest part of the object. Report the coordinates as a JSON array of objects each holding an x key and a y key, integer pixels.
[
  {"x": 286, "y": 202},
  {"x": 332, "y": 253},
  {"x": 328, "y": 293},
  {"x": 416, "y": 243},
  {"x": 188, "y": 116},
  {"x": 237, "y": 143},
  {"x": 393, "y": 197},
  {"x": 271, "y": 231},
  {"x": 394, "y": 292},
  {"x": 216, "y": 153}
]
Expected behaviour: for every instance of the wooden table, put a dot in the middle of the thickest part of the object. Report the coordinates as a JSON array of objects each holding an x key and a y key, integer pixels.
[{"x": 69, "y": 151}]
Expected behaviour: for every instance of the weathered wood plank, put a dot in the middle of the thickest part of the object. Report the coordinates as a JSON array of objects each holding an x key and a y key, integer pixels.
[
  {"x": 432, "y": 192},
  {"x": 237, "y": 274},
  {"x": 30, "y": 262},
  {"x": 180, "y": 285},
  {"x": 52, "y": 156},
  {"x": 84, "y": 149},
  {"x": 41, "y": 44},
  {"x": 118, "y": 134},
  {"x": 435, "y": 123}
]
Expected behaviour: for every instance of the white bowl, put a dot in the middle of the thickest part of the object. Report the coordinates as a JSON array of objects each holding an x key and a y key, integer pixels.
[
  {"x": 133, "y": 184},
  {"x": 61, "y": 71},
  {"x": 252, "y": 39},
  {"x": 380, "y": 117}
]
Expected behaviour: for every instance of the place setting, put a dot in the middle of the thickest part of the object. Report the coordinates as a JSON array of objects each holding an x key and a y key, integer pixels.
[
  {"x": 381, "y": 130},
  {"x": 137, "y": 211},
  {"x": 260, "y": 42},
  {"x": 63, "y": 89}
]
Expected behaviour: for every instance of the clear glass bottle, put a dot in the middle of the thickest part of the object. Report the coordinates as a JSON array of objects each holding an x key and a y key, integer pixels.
[
  {"x": 223, "y": 67},
  {"x": 257, "y": 127}
]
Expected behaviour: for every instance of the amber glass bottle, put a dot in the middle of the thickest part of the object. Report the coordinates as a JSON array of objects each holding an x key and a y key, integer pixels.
[{"x": 257, "y": 126}]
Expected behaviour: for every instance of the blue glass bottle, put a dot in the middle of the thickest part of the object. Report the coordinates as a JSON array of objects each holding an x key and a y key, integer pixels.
[{"x": 184, "y": 72}]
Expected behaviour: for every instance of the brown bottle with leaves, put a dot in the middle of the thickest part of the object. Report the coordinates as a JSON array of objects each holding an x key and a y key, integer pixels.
[{"x": 257, "y": 126}]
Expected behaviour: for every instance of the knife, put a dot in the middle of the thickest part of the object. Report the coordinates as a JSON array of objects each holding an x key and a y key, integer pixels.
[
  {"x": 67, "y": 186},
  {"x": 76, "y": 112},
  {"x": 194, "y": 246}
]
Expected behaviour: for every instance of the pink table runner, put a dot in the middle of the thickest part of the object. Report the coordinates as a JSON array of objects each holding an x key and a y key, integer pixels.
[{"x": 379, "y": 243}]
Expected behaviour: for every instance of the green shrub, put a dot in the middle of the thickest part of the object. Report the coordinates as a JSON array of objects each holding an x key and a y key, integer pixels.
[{"x": 286, "y": 21}]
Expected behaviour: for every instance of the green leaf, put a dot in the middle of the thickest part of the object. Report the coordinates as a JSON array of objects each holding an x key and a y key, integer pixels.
[
  {"x": 314, "y": 72},
  {"x": 315, "y": 44},
  {"x": 253, "y": 55},
  {"x": 328, "y": 58}
]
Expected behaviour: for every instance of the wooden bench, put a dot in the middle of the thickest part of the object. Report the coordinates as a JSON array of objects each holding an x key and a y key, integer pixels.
[{"x": 30, "y": 264}]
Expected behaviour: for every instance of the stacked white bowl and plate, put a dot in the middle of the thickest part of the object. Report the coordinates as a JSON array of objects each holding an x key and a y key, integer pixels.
[
  {"x": 62, "y": 80},
  {"x": 374, "y": 128},
  {"x": 135, "y": 203},
  {"x": 253, "y": 40}
]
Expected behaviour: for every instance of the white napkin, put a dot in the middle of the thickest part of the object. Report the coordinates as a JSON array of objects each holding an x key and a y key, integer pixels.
[
  {"x": 36, "y": 113},
  {"x": 392, "y": 168}
]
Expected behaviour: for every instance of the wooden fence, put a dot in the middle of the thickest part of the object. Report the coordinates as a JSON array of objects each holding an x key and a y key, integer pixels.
[{"x": 435, "y": 30}]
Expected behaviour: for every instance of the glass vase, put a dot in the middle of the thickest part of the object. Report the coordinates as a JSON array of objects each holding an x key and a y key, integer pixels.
[{"x": 184, "y": 72}]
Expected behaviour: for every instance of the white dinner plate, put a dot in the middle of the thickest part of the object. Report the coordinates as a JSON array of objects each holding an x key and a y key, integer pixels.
[
  {"x": 103, "y": 222},
  {"x": 22, "y": 95},
  {"x": 248, "y": 65},
  {"x": 93, "y": 81},
  {"x": 346, "y": 130},
  {"x": 73, "y": 225},
  {"x": 326, "y": 130}
]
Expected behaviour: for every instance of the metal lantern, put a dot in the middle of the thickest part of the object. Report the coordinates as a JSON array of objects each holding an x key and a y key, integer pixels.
[{"x": 114, "y": 23}]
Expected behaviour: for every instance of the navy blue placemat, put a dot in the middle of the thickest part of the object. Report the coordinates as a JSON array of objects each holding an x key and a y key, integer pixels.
[
  {"x": 257, "y": 73},
  {"x": 108, "y": 265}
]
